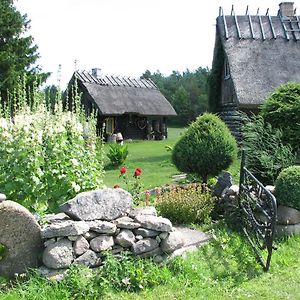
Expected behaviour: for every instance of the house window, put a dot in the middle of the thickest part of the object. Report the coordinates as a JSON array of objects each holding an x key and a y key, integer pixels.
[
  {"x": 110, "y": 125},
  {"x": 226, "y": 69}
]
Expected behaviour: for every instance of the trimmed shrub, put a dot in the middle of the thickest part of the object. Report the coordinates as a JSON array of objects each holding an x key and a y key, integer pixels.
[
  {"x": 287, "y": 187},
  {"x": 282, "y": 110},
  {"x": 192, "y": 204},
  {"x": 266, "y": 155},
  {"x": 206, "y": 148}
]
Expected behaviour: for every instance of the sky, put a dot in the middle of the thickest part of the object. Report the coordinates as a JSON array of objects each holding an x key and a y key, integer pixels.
[{"x": 128, "y": 37}]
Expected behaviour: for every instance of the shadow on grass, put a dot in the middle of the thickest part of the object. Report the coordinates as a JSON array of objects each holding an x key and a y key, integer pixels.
[
  {"x": 151, "y": 159},
  {"x": 230, "y": 257}
]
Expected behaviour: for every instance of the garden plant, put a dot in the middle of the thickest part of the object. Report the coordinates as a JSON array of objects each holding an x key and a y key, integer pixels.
[
  {"x": 287, "y": 187},
  {"x": 206, "y": 148},
  {"x": 282, "y": 110},
  {"x": 44, "y": 158},
  {"x": 266, "y": 155}
]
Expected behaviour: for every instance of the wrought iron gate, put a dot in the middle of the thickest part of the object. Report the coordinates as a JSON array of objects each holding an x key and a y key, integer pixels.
[{"x": 259, "y": 215}]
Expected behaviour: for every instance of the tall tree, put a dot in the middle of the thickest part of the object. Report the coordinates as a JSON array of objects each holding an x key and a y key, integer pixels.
[
  {"x": 186, "y": 91},
  {"x": 18, "y": 54}
]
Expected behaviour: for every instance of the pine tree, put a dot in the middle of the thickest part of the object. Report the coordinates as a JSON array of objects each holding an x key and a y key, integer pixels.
[{"x": 18, "y": 54}]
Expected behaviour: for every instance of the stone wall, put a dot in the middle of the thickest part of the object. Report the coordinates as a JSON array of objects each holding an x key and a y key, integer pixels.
[{"x": 92, "y": 224}]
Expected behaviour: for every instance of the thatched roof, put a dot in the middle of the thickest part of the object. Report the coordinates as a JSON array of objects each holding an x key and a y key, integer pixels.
[
  {"x": 117, "y": 96},
  {"x": 262, "y": 51}
]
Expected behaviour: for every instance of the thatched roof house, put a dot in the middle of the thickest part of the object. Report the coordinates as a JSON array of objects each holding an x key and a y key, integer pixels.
[
  {"x": 133, "y": 107},
  {"x": 253, "y": 55}
]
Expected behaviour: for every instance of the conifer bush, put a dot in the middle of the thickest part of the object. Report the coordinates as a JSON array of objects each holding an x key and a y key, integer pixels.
[
  {"x": 287, "y": 187},
  {"x": 282, "y": 110},
  {"x": 206, "y": 148}
]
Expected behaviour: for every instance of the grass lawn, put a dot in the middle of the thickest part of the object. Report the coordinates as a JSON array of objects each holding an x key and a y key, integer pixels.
[
  {"x": 225, "y": 268},
  {"x": 152, "y": 157},
  {"x": 154, "y": 160}
]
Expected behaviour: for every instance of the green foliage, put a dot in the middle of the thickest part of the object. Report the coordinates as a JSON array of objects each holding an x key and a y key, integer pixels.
[
  {"x": 186, "y": 91},
  {"x": 44, "y": 159},
  {"x": 18, "y": 54},
  {"x": 282, "y": 110},
  {"x": 117, "y": 154},
  {"x": 206, "y": 148},
  {"x": 223, "y": 268},
  {"x": 287, "y": 187},
  {"x": 132, "y": 274},
  {"x": 265, "y": 152},
  {"x": 189, "y": 205}
]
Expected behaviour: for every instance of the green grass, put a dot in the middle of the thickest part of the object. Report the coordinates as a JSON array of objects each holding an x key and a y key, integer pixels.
[
  {"x": 152, "y": 157},
  {"x": 225, "y": 268},
  {"x": 154, "y": 160}
]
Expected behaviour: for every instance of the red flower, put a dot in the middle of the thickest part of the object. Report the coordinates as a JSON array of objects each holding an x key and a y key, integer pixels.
[
  {"x": 123, "y": 170},
  {"x": 137, "y": 172},
  {"x": 116, "y": 186}
]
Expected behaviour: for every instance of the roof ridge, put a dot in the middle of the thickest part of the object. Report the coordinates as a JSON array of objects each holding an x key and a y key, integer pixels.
[{"x": 113, "y": 80}]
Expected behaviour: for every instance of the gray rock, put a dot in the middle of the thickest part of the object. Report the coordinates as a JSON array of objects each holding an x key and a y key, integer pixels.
[
  {"x": 127, "y": 223},
  {"x": 152, "y": 253},
  {"x": 73, "y": 238},
  {"x": 49, "y": 242},
  {"x": 154, "y": 223},
  {"x": 2, "y": 197},
  {"x": 123, "y": 219},
  {"x": 163, "y": 235},
  {"x": 287, "y": 230},
  {"x": 102, "y": 226},
  {"x": 21, "y": 235},
  {"x": 52, "y": 218},
  {"x": 146, "y": 232},
  {"x": 89, "y": 259},
  {"x": 148, "y": 210},
  {"x": 65, "y": 228},
  {"x": 102, "y": 243},
  {"x": 139, "y": 237},
  {"x": 270, "y": 188},
  {"x": 80, "y": 246},
  {"x": 172, "y": 242},
  {"x": 145, "y": 245},
  {"x": 58, "y": 255},
  {"x": 158, "y": 239},
  {"x": 90, "y": 235},
  {"x": 117, "y": 249},
  {"x": 287, "y": 215},
  {"x": 223, "y": 183},
  {"x": 106, "y": 204},
  {"x": 233, "y": 190},
  {"x": 125, "y": 238},
  {"x": 52, "y": 275}
]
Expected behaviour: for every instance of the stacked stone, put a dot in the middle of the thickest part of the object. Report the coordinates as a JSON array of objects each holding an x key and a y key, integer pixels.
[{"x": 103, "y": 220}]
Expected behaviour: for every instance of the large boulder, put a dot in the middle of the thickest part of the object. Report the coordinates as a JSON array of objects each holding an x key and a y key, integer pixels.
[
  {"x": 65, "y": 228},
  {"x": 145, "y": 245},
  {"x": 287, "y": 215},
  {"x": 58, "y": 255},
  {"x": 106, "y": 204},
  {"x": 102, "y": 226},
  {"x": 125, "y": 238},
  {"x": 173, "y": 242},
  {"x": 20, "y": 234},
  {"x": 102, "y": 243},
  {"x": 89, "y": 259},
  {"x": 154, "y": 223}
]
